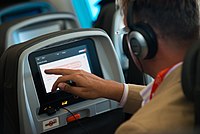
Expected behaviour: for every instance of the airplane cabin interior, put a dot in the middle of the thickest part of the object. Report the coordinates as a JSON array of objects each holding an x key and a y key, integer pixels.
[{"x": 77, "y": 34}]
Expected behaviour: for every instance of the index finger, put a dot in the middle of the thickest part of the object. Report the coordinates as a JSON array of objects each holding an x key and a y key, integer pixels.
[{"x": 59, "y": 71}]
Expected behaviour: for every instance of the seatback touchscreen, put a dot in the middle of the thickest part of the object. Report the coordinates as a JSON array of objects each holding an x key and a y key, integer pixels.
[{"x": 80, "y": 54}]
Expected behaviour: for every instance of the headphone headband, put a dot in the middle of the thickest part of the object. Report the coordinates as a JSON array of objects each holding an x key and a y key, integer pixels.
[
  {"x": 129, "y": 17},
  {"x": 141, "y": 38}
]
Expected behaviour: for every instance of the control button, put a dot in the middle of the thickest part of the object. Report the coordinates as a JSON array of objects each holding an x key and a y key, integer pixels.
[{"x": 73, "y": 118}]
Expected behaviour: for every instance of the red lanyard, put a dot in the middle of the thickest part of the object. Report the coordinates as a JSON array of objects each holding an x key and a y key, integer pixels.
[{"x": 159, "y": 78}]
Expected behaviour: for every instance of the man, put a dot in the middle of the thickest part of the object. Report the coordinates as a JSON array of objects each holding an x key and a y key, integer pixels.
[{"x": 161, "y": 107}]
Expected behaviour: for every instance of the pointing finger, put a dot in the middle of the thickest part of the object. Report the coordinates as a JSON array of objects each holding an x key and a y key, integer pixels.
[{"x": 60, "y": 71}]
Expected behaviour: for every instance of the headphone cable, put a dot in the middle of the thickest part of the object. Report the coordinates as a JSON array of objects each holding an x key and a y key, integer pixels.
[
  {"x": 144, "y": 80},
  {"x": 137, "y": 61}
]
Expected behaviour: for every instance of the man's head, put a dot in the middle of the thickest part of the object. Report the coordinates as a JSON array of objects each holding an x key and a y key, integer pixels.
[
  {"x": 174, "y": 19},
  {"x": 175, "y": 22}
]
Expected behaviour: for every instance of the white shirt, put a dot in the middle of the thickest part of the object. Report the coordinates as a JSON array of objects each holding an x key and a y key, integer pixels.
[{"x": 145, "y": 93}]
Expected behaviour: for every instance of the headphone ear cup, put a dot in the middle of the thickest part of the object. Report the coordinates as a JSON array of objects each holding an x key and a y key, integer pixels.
[
  {"x": 142, "y": 38},
  {"x": 190, "y": 72},
  {"x": 137, "y": 44},
  {"x": 143, "y": 41},
  {"x": 190, "y": 79}
]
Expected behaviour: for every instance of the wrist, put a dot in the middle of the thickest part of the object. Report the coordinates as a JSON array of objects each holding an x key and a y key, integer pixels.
[{"x": 114, "y": 90}]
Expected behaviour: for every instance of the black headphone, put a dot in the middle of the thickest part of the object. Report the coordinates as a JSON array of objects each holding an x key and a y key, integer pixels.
[
  {"x": 141, "y": 40},
  {"x": 190, "y": 79}
]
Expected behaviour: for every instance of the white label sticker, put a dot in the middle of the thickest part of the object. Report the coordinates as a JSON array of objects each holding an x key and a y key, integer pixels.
[{"x": 50, "y": 123}]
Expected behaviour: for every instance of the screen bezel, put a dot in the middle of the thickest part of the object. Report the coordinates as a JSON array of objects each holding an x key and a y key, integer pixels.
[
  {"x": 32, "y": 27},
  {"x": 55, "y": 99},
  {"x": 20, "y": 14}
]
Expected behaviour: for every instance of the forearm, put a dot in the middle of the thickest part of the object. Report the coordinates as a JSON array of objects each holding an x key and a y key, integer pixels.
[{"x": 114, "y": 90}]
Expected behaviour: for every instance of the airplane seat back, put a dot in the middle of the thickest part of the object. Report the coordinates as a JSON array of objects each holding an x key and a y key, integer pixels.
[
  {"x": 23, "y": 10},
  {"x": 24, "y": 29},
  {"x": 117, "y": 38},
  {"x": 191, "y": 80},
  {"x": 27, "y": 104},
  {"x": 104, "y": 19}
]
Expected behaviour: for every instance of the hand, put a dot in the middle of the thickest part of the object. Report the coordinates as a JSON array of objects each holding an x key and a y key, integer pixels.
[{"x": 87, "y": 85}]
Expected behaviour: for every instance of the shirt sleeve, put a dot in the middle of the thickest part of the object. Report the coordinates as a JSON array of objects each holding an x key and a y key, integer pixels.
[
  {"x": 134, "y": 99},
  {"x": 124, "y": 96}
]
